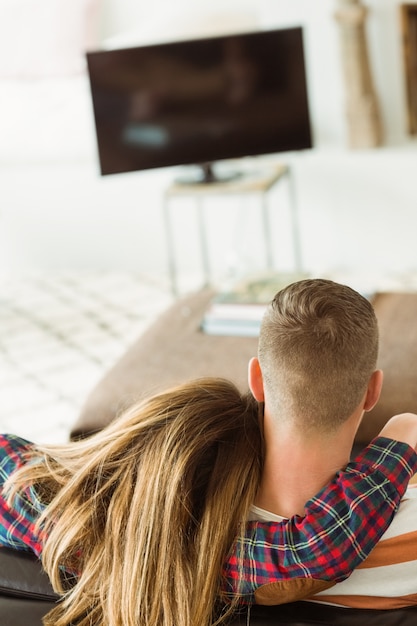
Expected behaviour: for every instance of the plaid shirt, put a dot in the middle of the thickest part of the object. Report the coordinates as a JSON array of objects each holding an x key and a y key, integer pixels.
[{"x": 340, "y": 527}]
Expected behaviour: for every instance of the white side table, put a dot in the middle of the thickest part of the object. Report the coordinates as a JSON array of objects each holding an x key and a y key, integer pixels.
[{"x": 254, "y": 182}]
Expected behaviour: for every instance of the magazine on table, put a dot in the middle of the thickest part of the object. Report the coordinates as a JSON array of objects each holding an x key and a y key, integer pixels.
[{"x": 238, "y": 309}]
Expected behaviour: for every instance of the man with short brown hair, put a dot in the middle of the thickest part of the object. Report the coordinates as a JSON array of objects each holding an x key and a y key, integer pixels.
[{"x": 316, "y": 376}]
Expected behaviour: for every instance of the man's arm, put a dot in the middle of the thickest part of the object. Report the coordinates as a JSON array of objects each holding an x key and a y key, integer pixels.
[{"x": 341, "y": 525}]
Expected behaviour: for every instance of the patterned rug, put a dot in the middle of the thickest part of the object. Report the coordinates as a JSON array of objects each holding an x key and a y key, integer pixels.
[{"x": 59, "y": 333}]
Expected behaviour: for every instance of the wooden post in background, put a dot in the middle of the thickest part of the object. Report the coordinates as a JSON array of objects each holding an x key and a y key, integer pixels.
[
  {"x": 362, "y": 110},
  {"x": 408, "y": 13}
]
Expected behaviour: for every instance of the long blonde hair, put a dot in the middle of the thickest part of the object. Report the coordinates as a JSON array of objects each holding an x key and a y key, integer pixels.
[{"x": 145, "y": 512}]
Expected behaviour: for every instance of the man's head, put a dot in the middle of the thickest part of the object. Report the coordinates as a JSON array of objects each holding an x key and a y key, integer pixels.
[{"x": 318, "y": 348}]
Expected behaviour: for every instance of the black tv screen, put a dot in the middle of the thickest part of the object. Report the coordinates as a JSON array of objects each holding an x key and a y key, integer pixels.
[{"x": 199, "y": 101}]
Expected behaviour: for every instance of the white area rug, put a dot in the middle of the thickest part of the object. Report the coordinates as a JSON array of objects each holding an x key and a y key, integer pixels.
[{"x": 59, "y": 333}]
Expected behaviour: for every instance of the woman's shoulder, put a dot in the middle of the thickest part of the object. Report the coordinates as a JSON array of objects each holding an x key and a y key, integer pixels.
[
  {"x": 14, "y": 444},
  {"x": 13, "y": 450}
]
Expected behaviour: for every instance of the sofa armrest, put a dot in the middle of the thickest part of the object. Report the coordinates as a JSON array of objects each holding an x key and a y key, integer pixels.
[
  {"x": 21, "y": 612},
  {"x": 21, "y": 575},
  {"x": 26, "y": 595}
]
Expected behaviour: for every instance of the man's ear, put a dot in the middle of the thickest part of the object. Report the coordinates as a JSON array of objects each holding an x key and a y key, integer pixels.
[
  {"x": 256, "y": 383},
  {"x": 374, "y": 390}
]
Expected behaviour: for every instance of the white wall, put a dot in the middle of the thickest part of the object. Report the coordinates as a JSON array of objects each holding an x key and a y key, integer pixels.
[
  {"x": 356, "y": 208},
  {"x": 136, "y": 21}
]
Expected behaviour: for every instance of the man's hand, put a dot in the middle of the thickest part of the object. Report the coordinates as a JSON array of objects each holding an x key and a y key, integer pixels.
[{"x": 402, "y": 427}]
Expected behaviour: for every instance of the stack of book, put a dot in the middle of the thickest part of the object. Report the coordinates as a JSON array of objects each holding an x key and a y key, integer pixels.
[{"x": 238, "y": 310}]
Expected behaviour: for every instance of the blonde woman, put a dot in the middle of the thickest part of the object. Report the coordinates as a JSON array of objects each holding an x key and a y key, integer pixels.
[{"x": 145, "y": 523}]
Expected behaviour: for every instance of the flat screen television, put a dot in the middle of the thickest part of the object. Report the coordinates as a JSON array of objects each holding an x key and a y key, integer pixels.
[{"x": 195, "y": 102}]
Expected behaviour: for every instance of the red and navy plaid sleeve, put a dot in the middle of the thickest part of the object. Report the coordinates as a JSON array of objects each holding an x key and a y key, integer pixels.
[
  {"x": 340, "y": 527},
  {"x": 18, "y": 521}
]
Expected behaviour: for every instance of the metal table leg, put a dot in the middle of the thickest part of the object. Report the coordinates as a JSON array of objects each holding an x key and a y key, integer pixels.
[
  {"x": 203, "y": 240},
  {"x": 170, "y": 248},
  {"x": 294, "y": 221},
  {"x": 267, "y": 232}
]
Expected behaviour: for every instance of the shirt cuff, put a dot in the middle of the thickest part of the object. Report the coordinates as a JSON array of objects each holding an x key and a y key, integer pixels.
[{"x": 396, "y": 460}]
